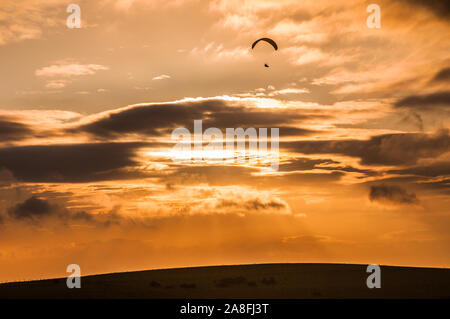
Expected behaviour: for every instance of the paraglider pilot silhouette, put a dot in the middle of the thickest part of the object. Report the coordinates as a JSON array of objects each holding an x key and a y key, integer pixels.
[{"x": 268, "y": 40}]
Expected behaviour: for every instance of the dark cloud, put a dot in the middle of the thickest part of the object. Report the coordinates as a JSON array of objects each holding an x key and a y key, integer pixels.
[
  {"x": 413, "y": 117},
  {"x": 441, "y": 185},
  {"x": 294, "y": 131},
  {"x": 431, "y": 170},
  {"x": 392, "y": 194},
  {"x": 388, "y": 149},
  {"x": 158, "y": 119},
  {"x": 442, "y": 76},
  {"x": 254, "y": 204},
  {"x": 71, "y": 162},
  {"x": 12, "y": 131},
  {"x": 148, "y": 119},
  {"x": 441, "y": 8},
  {"x": 425, "y": 102},
  {"x": 33, "y": 207},
  {"x": 350, "y": 169},
  {"x": 37, "y": 209},
  {"x": 305, "y": 164},
  {"x": 424, "y": 183},
  {"x": 6, "y": 178},
  {"x": 296, "y": 179}
]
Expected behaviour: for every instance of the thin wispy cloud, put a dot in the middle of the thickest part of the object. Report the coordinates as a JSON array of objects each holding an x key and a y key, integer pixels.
[
  {"x": 161, "y": 77},
  {"x": 69, "y": 69}
]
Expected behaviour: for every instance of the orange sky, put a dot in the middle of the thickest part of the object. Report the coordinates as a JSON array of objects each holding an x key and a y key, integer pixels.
[{"x": 86, "y": 117}]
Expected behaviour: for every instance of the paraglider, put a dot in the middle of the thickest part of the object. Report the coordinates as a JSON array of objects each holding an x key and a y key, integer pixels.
[{"x": 268, "y": 40}]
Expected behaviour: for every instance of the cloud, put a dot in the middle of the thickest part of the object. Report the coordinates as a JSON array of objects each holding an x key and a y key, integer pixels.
[
  {"x": 235, "y": 200},
  {"x": 304, "y": 55},
  {"x": 38, "y": 210},
  {"x": 31, "y": 208},
  {"x": 289, "y": 91},
  {"x": 129, "y": 4},
  {"x": 161, "y": 77},
  {"x": 431, "y": 170},
  {"x": 147, "y": 119},
  {"x": 69, "y": 69},
  {"x": 214, "y": 52},
  {"x": 26, "y": 19},
  {"x": 13, "y": 131},
  {"x": 221, "y": 175},
  {"x": 258, "y": 14},
  {"x": 440, "y": 8},
  {"x": 217, "y": 175},
  {"x": 17, "y": 125},
  {"x": 436, "y": 185},
  {"x": 59, "y": 75},
  {"x": 425, "y": 102},
  {"x": 442, "y": 76},
  {"x": 56, "y": 84},
  {"x": 159, "y": 119},
  {"x": 387, "y": 149},
  {"x": 307, "y": 164},
  {"x": 302, "y": 164},
  {"x": 70, "y": 162},
  {"x": 253, "y": 204},
  {"x": 392, "y": 194}
]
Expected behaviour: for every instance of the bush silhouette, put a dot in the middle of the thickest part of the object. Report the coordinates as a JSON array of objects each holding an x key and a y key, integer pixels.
[
  {"x": 188, "y": 286},
  {"x": 155, "y": 284},
  {"x": 226, "y": 282},
  {"x": 268, "y": 281}
]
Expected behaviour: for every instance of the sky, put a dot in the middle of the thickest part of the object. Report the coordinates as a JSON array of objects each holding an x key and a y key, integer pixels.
[{"x": 87, "y": 174}]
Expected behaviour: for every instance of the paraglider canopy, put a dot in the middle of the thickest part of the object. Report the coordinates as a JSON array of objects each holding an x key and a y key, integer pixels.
[{"x": 268, "y": 40}]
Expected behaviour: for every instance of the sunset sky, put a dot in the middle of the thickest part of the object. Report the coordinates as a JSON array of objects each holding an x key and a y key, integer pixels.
[{"x": 86, "y": 115}]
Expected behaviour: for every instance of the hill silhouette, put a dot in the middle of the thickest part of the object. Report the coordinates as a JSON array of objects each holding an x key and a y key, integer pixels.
[{"x": 270, "y": 281}]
